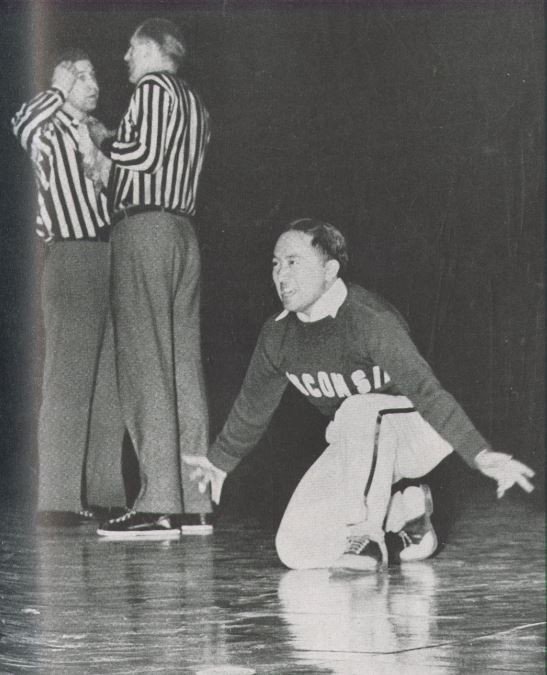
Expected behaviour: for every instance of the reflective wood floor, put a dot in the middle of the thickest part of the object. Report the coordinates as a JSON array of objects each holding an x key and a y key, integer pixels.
[{"x": 73, "y": 603}]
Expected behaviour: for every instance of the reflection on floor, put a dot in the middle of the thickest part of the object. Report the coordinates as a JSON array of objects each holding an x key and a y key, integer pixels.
[{"x": 73, "y": 603}]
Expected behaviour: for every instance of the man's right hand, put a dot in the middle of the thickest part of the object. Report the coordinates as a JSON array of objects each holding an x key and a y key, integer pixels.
[
  {"x": 206, "y": 474},
  {"x": 98, "y": 132},
  {"x": 64, "y": 76}
]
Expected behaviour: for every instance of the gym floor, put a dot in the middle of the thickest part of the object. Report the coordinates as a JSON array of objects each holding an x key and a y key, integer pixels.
[{"x": 75, "y": 603}]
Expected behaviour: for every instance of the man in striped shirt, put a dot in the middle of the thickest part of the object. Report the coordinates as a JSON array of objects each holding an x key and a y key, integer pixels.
[
  {"x": 157, "y": 159},
  {"x": 80, "y": 429}
]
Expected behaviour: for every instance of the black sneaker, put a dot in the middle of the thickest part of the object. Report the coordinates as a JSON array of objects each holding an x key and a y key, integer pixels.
[
  {"x": 136, "y": 525},
  {"x": 196, "y": 523},
  {"x": 63, "y": 518},
  {"x": 103, "y": 513},
  {"x": 362, "y": 554}
]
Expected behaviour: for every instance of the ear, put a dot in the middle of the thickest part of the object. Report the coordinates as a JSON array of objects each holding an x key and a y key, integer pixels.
[
  {"x": 153, "y": 49},
  {"x": 332, "y": 268}
]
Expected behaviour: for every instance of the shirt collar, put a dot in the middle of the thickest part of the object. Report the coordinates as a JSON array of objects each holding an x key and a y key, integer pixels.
[
  {"x": 68, "y": 119},
  {"x": 327, "y": 305}
]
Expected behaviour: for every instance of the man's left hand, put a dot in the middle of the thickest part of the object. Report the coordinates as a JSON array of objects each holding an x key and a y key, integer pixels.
[{"x": 505, "y": 470}]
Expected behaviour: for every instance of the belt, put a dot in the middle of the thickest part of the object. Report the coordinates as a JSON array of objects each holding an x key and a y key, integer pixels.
[
  {"x": 103, "y": 234},
  {"x": 134, "y": 210}
]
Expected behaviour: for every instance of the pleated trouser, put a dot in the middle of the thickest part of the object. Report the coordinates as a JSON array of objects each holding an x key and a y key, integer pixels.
[
  {"x": 156, "y": 313},
  {"x": 80, "y": 430}
]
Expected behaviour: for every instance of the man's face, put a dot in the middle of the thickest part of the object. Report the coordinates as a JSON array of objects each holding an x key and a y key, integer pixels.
[
  {"x": 85, "y": 90},
  {"x": 137, "y": 58},
  {"x": 301, "y": 273}
]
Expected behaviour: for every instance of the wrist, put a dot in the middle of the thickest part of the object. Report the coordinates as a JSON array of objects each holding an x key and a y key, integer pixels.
[
  {"x": 487, "y": 458},
  {"x": 220, "y": 472},
  {"x": 214, "y": 468},
  {"x": 106, "y": 145}
]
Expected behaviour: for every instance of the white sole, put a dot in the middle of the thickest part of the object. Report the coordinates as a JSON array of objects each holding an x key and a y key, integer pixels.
[
  {"x": 201, "y": 530},
  {"x": 422, "y": 551},
  {"x": 157, "y": 534},
  {"x": 354, "y": 566}
]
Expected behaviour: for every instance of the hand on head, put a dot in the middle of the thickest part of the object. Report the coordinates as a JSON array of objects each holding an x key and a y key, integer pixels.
[{"x": 64, "y": 76}]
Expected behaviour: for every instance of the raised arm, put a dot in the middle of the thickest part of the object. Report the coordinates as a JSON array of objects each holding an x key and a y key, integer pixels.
[{"x": 39, "y": 110}]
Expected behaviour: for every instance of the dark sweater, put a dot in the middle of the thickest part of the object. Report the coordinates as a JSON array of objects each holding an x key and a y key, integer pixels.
[{"x": 365, "y": 349}]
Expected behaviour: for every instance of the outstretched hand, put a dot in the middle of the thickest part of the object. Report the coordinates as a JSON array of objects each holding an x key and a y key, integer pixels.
[
  {"x": 206, "y": 474},
  {"x": 505, "y": 470}
]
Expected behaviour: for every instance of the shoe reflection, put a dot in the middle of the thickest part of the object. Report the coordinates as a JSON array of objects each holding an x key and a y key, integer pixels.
[
  {"x": 144, "y": 606},
  {"x": 359, "y": 614}
]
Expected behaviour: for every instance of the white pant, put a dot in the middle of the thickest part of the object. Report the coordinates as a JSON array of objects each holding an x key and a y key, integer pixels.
[{"x": 330, "y": 503}]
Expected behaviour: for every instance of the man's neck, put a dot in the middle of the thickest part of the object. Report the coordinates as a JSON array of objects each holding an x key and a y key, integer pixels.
[
  {"x": 74, "y": 112},
  {"x": 160, "y": 67},
  {"x": 328, "y": 304}
]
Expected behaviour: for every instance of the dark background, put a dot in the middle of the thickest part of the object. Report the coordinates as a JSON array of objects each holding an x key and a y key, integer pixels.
[{"x": 416, "y": 127}]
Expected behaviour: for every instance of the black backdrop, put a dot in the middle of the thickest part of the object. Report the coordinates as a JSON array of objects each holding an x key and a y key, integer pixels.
[{"x": 416, "y": 127}]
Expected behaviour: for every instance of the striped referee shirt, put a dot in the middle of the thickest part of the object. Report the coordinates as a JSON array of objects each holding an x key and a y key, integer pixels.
[
  {"x": 159, "y": 148},
  {"x": 68, "y": 207}
]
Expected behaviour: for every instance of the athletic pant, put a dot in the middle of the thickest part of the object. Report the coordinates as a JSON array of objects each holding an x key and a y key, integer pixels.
[
  {"x": 155, "y": 306},
  {"x": 374, "y": 441},
  {"x": 80, "y": 430}
]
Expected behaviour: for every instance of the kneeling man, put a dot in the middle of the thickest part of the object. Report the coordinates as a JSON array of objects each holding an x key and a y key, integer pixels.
[{"x": 349, "y": 352}]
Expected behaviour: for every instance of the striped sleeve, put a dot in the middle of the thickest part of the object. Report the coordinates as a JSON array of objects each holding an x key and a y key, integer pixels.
[
  {"x": 34, "y": 114},
  {"x": 141, "y": 141}
]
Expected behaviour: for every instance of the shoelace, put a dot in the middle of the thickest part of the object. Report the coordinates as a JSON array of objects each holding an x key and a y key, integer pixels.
[
  {"x": 123, "y": 517},
  {"x": 356, "y": 544},
  {"x": 407, "y": 541}
]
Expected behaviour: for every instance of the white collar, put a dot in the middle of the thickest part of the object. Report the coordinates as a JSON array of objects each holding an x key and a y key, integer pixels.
[{"x": 327, "y": 305}]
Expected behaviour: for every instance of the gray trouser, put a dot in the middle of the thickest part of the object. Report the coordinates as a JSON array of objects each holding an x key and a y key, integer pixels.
[
  {"x": 155, "y": 305},
  {"x": 80, "y": 428}
]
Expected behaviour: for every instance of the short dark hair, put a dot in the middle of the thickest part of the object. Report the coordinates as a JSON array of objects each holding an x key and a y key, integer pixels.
[
  {"x": 71, "y": 54},
  {"x": 167, "y": 36},
  {"x": 327, "y": 238}
]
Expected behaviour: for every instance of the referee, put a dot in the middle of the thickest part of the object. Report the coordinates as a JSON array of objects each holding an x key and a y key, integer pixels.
[
  {"x": 157, "y": 159},
  {"x": 79, "y": 452}
]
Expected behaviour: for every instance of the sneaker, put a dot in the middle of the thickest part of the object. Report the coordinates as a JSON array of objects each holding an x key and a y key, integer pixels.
[
  {"x": 63, "y": 518},
  {"x": 136, "y": 525},
  {"x": 418, "y": 536},
  {"x": 196, "y": 523},
  {"x": 362, "y": 554},
  {"x": 103, "y": 513}
]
